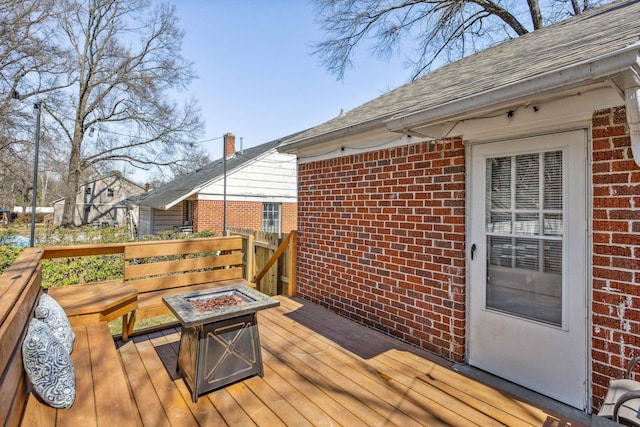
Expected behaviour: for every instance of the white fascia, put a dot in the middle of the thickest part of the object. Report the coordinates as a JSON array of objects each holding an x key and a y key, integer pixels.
[{"x": 622, "y": 67}]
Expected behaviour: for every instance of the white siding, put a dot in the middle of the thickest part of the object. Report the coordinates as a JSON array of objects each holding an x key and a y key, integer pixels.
[
  {"x": 270, "y": 178},
  {"x": 166, "y": 220},
  {"x": 144, "y": 220},
  {"x": 101, "y": 204}
]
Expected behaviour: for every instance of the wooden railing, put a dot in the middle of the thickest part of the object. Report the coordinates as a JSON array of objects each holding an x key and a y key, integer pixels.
[
  {"x": 270, "y": 261},
  {"x": 83, "y": 250}
]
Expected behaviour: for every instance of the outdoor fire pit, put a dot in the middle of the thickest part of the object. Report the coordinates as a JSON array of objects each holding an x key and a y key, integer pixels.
[{"x": 220, "y": 343}]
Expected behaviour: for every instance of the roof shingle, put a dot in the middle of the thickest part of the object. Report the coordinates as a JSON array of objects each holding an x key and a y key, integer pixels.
[{"x": 590, "y": 35}]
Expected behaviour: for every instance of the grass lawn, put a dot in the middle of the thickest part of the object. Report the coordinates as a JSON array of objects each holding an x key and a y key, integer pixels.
[{"x": 116, "y": 325}]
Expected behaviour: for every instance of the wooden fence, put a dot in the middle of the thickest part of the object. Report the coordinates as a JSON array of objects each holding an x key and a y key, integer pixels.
[{"x": 260, "y": 248}]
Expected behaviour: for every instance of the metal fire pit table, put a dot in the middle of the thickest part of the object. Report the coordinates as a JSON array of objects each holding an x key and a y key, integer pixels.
[{"x": 219, "y": 345}]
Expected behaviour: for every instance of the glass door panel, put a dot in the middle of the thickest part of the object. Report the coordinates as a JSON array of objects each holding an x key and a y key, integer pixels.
[{"x": 524, "y": 232}]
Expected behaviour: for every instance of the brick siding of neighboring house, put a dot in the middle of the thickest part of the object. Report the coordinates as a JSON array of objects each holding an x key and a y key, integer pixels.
[
  {"x": 208, "y": 215},
  {"x": 381, "y": 238},
  {"x": 616, "y": 250}
]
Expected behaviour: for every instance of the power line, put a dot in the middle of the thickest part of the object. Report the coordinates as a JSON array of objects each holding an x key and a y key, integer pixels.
[{"x": 142, "y": 137}]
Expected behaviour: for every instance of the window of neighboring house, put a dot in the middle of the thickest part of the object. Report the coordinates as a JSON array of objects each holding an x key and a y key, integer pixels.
[
  {"x": 87, "y": 191},
  {"x": 110, "y": 193},
  {"x": 271, "y": 217}
]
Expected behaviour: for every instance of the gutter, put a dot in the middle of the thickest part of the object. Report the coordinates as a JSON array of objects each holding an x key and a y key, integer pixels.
[
  {"x": 624, "y": 61},
  {"x": 333, "y": 135}
]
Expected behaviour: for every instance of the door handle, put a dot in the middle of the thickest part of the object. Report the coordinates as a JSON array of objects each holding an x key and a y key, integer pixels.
[{"x": 473, "y": 250}]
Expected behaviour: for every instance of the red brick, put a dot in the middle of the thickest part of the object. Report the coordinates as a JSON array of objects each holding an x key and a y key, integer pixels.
[
  {"x": 208, "y": 215},
  {"x": 389, "y": 242}
]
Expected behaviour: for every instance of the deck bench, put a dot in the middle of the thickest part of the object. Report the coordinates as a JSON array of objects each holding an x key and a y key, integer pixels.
[
  {"x": 151, "y": 270},
  {"x": 102, "y": 396},
  {"x": 94, "y": 303},
  {"x": 157, "y": 269}
]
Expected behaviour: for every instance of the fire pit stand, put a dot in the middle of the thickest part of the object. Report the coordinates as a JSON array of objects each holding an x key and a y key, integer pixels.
[{"x": 219, "y": 344}]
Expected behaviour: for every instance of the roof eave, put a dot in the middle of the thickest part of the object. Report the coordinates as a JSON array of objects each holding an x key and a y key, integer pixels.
[
  {"x": 294, "y": 145},
  {"x": 596, "y": 69}
]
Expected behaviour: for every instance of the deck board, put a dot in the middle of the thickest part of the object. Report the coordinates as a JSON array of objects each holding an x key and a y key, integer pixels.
[{"x": 322, "y": 369}]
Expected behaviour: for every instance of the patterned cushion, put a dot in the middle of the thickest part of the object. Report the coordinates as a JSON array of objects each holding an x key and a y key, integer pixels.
[
  {"x": 50, "y": 312},
  {"x": 48, "y": 366}
]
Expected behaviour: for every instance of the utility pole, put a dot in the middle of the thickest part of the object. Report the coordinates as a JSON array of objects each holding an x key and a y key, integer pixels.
[
  {"x": 38, "y": 107},
  {"x": 224, "y": 191}
]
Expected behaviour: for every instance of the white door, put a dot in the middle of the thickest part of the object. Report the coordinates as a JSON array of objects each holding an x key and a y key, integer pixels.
[{"x": 528, "y": 263}]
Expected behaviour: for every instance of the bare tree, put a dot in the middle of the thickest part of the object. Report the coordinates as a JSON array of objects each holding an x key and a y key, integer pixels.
[
  {"x": 193, "y": 158},
  {"x": 124, "y": 66},
  {"x": 16, "y": 177},
  {"x": 440, "y": 31},
  {"x": 31, "y": 65},
  {"x": 30, "y": 60}
]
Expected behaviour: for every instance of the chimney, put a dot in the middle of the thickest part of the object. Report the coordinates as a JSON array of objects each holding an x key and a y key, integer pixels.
[
  {"x": 229, "y": 144},
  {"x": 147, "y": 187}
]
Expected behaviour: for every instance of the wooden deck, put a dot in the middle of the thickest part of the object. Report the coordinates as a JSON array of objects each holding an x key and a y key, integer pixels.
[{"x": 321, "y": 369}]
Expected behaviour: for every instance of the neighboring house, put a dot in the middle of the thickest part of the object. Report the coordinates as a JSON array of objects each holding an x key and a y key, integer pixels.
[
  {"x": 490, "y": 210},
  {"x": 102, "y": 200},
  {"x": 260, "y": 194}
]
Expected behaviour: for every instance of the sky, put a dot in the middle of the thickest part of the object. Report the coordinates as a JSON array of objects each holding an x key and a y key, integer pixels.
[{"x": 257, "y": 77}]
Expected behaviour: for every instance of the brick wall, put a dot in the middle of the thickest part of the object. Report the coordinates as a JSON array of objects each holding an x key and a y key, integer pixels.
[
  {"x": 208, "y": 215},
  {"x": 616, "y": 250},
  {"x": 381, "y": 240},
  {"x": 289, "y": 212}
]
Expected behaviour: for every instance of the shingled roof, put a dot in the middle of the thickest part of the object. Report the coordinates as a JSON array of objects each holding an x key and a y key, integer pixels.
[
  {"x": 169, "y": 194},
  {"x": 598, "y": 32}
]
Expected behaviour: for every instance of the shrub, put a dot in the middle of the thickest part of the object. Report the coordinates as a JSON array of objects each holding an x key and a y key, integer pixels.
[
  {"x": 70, "y": 271},
  {"x": 8, "y": 254}
]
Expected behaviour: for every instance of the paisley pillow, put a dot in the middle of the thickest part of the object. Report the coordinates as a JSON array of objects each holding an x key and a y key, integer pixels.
[
  {"x": 48, "y": 366},
  {"x": 53, "y": 315}
]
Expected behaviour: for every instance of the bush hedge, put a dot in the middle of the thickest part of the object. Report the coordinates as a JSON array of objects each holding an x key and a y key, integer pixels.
[{"x": 70, "y": 271}]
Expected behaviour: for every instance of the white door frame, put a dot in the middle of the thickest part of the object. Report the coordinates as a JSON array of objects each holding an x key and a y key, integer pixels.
[{"x": 588, "y": 243}]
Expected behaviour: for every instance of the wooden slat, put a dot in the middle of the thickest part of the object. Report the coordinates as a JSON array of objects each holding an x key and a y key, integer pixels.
[
  {"x": 472, "y": 401},
  {"x": 292, "y": 289},
  {"x": 342, "y": 380},
  {"x": 37, "y": 414},
  {"x": 292, "y": 396},
  {"x": 291, "y": 415},
  {"x": 389, "y": 399},
  {"x": 433, "y": 404},
  {"x": 260, "y": 413},
  {"x": 169, "y": 395},
  {"x": 229, "y": 409},
  {"x": 13, "y": 393},
  {"x": 147, "y": 402},
  {"x": 312, "y": 389},
  {"x": 83, "y": 411},
  {"x": 204, "y": 413},
  {"x": 15, "y": 278},
  {"x": 13, "y": 329},
  {"x": 20, "y": 288},
  {"x": 83, "y": 250},
  {"x": 429, "y": 405},
  {"x": 113, "y": 403},
  {"x": 178, "y": 247},
  {"x": 11, "y": 411},
  {"x": 186, "y": 279},
  {"x": 322, "y": 369},
  {"x": 492, "y": 402},
  {"x": 92, "y": 298},
  {"x": 134, "y": 271}
]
